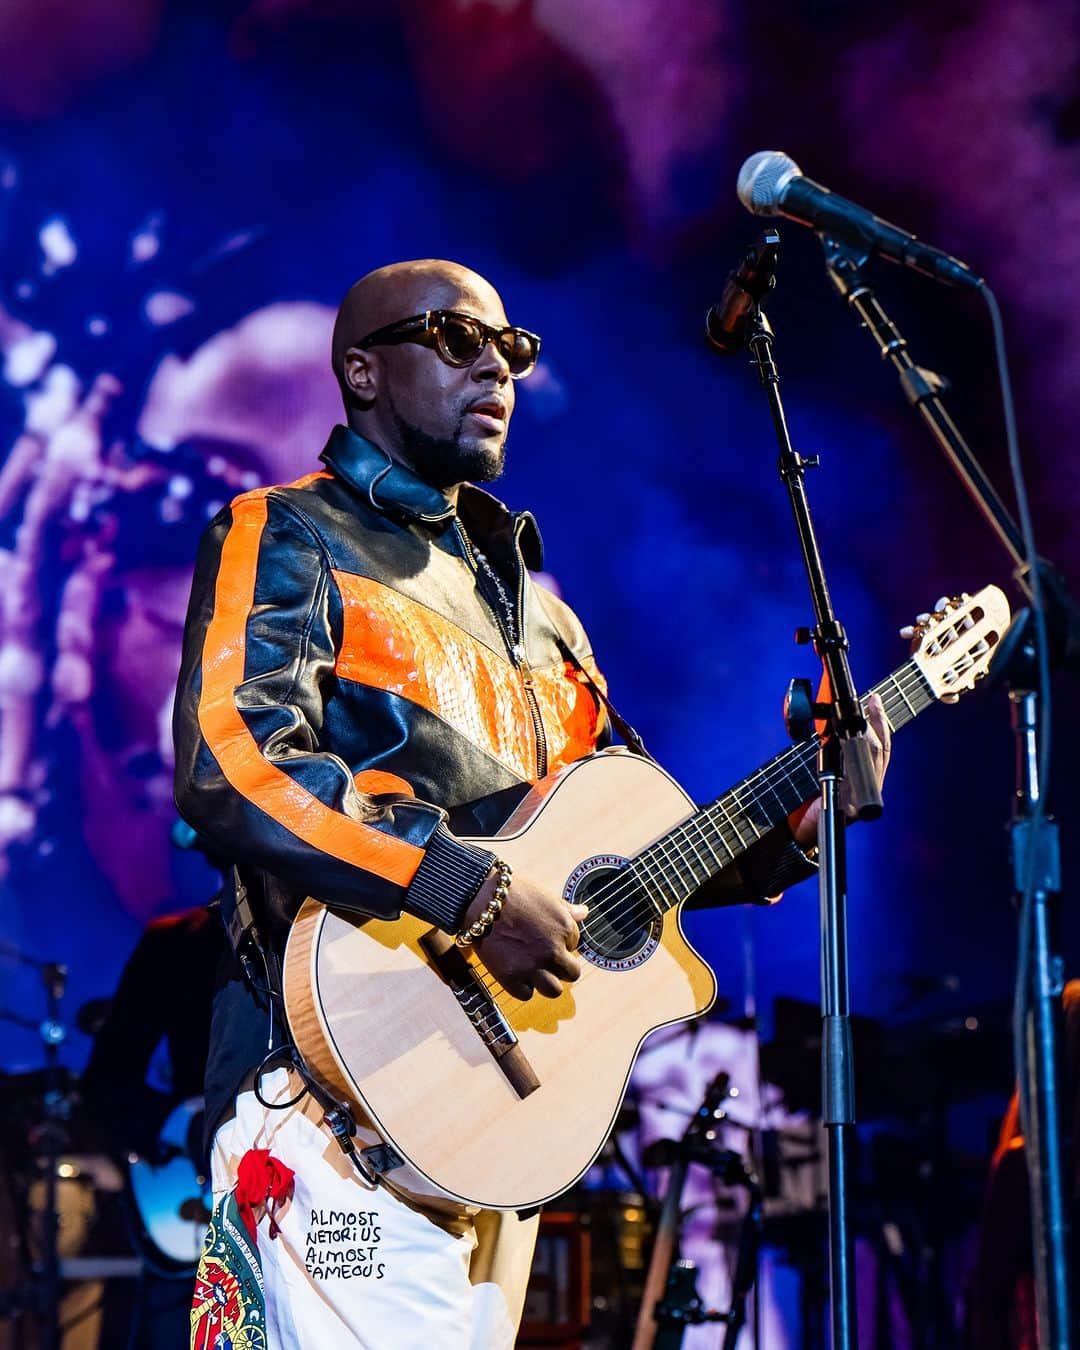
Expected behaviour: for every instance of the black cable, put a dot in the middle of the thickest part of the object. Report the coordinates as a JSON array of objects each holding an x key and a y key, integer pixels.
[{"x": 289, "y": 1053}]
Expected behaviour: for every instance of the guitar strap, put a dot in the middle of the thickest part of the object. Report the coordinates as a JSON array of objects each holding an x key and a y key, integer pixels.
[{"x": 621, "y": 725}]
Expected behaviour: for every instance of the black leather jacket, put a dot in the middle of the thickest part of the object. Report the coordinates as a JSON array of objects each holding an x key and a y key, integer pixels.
[
  {"x": 356, "y": 691},
  {"x": 352, "y": 684}
]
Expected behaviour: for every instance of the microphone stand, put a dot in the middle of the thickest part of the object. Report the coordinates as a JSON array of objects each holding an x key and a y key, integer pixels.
[
  {"x": 845, "y": 753},
  {"x": 1034, "y": 836}
]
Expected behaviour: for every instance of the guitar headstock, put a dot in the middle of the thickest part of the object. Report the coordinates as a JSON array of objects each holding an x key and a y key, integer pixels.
[{"x": 953, "y": 647}]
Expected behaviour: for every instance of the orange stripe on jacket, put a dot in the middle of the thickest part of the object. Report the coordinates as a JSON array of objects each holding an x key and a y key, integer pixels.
[
  {"x": 232, "y": 744},
  {"x": 394, "y": 643}
]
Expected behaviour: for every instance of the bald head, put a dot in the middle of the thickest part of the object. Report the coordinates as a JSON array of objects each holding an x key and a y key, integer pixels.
[
  {"x": 400, "y": 290},
  {"x": 446, "y": 420}
]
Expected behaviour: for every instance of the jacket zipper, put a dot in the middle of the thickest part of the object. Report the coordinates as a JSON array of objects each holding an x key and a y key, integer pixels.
[
  {"x": 516, "y": 650},
  {"x": 523, "y": 664}
]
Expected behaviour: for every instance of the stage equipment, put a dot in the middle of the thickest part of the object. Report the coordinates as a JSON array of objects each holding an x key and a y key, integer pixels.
[
  {"x": 1049, "y": 631},
  {"x": 170, "y": 1195},
  {"x": 662, "y": 1320},
  {"x": 843, "y": 753},
  {"x": 615, "y": 828},
  {"x": 745, "y": 289},
  {"x": 772, "y": 184},
  {"x": 558, "y": 1308},
  {"x": 42, "y": 1297}
]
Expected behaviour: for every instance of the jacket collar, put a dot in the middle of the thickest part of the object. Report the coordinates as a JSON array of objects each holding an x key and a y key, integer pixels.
[
  {"x": 394, "y": 490},
  {"x": 388, "y": 487}
]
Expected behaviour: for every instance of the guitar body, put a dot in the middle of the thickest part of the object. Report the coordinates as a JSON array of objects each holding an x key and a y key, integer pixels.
[{"x": 377, "y": 1020}]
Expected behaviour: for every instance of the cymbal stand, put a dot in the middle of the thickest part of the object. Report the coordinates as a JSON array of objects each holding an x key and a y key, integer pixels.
[
  {"x": 1034, "y": 834},
  {"x": 845, "y": 754}
]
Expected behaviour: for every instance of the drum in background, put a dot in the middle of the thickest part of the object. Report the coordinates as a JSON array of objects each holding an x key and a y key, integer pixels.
[{"x": 589, "y": 1270}]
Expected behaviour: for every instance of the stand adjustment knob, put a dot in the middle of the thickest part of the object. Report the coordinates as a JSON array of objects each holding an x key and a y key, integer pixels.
[{"x": 799, "y": 710}]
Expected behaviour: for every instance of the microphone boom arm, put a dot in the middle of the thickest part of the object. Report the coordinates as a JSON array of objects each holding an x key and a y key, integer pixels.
[{"x": 922, "y": 388}]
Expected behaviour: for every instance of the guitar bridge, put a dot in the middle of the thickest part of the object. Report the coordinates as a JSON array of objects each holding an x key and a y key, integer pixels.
[{"x": 484, "y": 1014}]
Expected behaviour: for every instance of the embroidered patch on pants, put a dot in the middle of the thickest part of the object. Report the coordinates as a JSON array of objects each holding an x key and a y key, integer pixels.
[{"x": 228, "y": 1310}]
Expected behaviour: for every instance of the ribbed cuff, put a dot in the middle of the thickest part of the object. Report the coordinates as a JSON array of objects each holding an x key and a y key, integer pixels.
[{"x": 446, "y": 882}]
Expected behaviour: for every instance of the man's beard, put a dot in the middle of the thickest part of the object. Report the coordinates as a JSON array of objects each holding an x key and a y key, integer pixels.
[{"x": 444, "y": 461}]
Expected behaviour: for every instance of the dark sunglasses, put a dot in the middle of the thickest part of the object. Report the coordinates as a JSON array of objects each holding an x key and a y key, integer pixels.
[{"x": 459, "y": 339}]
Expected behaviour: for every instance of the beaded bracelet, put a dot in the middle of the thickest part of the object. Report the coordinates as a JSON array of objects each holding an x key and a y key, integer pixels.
[{"x": 483, "y": 924}]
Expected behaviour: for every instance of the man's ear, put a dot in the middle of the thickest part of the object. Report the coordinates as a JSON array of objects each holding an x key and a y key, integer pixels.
[{"x": 361, "y": 371}]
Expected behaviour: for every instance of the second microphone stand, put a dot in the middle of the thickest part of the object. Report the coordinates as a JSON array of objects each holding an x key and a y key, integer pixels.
[
  {"x": 845, "y": 755},
  {"x": 1034, "y": 834}
]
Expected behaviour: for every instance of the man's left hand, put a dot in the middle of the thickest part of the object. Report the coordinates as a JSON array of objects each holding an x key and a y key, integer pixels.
[{"x": 804, "y": 820}]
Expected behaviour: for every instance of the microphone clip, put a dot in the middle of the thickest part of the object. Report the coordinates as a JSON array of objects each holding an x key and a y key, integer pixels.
[{"x": 744, "y": 293}]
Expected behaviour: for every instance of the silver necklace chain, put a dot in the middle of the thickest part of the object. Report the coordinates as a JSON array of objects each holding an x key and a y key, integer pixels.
[
  {"x": 506, "y": 604},
  {"x": 504, "y": 595}
]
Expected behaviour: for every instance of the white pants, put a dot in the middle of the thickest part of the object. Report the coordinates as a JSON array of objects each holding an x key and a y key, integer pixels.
[{"x": 361, "y": 1269}]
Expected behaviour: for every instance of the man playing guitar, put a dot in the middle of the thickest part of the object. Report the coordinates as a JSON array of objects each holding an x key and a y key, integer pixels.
[{"x": 371, "y": 682}]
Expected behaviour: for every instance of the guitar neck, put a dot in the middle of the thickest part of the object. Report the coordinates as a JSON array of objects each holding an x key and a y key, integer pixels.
[{"x": 675, "y": 866}]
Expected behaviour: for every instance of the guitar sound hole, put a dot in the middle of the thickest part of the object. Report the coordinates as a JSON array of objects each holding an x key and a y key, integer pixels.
[{"x": 622, "y": 929}]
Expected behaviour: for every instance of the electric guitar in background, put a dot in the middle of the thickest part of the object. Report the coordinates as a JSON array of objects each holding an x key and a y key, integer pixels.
[
  {"x": 170, "y": 1196},
  {"x": 487, "y": 1100}
]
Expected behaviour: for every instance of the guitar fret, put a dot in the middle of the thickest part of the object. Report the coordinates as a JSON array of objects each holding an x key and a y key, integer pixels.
[
  {"x": 731, "y": 823},
  {"x": 685, "y": 834},
  {"x": 696, "y": 821},
  {"x": 672, "y": 868},
  {"x": 900, "y": 690},
  {"x": 667, "y": 878}
]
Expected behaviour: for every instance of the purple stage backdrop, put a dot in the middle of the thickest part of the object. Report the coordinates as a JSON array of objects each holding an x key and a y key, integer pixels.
[{"x": 186, "y": 190}]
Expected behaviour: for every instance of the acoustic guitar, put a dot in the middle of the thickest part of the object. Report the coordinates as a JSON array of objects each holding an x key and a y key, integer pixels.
[{"x": 487, "y": 1100}]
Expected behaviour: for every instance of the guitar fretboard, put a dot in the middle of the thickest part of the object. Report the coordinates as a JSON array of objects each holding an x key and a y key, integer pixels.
[{"x": 676, "y": 865}]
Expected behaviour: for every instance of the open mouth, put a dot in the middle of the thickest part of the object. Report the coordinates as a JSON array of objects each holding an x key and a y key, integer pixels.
[{"x": 489, "y": 413}]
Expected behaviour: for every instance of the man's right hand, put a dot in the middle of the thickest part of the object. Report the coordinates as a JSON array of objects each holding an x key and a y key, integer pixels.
[{"x": 529, "y": 948}]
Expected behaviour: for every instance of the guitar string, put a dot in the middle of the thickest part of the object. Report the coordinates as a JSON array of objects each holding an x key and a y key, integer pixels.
[
  {"x": 669, "y": 856},
  {"x": 755, "y": 790},
  {"x": 667, "y": 860},
  {"x": 663, "y": 861},
  {"x": 894, "y": 689},
  {"x": 908, "y": 679},
  {"x": 672, "y": 851},
  {"x": 666, "y": 853}
]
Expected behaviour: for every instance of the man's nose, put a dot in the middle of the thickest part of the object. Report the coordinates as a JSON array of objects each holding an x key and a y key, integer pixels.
[{"x": 491, "y": 364}]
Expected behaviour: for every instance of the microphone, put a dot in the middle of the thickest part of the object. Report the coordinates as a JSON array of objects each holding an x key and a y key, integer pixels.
[
  {"x": 745, "y": 289},
  {"x": 772, "y": 184}
]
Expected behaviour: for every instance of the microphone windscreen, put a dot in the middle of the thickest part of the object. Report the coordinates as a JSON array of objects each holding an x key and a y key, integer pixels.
[{"x": 763, "y": 178}]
